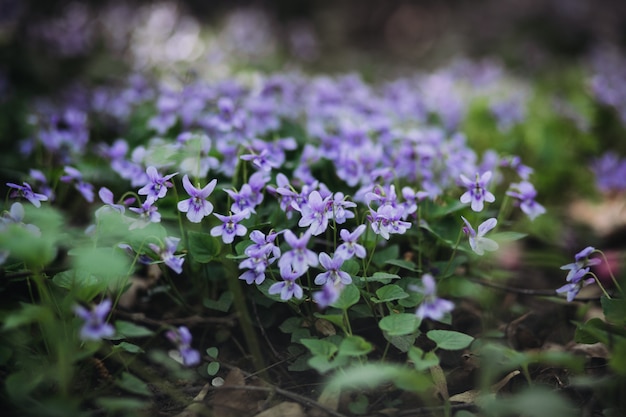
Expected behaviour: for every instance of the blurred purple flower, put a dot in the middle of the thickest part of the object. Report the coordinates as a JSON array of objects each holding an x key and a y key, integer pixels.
[
  {"x": 432, "y": 307},
  {"x": 95, "y": 326},
  {"x": 182, "y": 338},
  {"x": 166, "y": 253},
  {"x": 26, "y": 192},
  {"x": 74, "y": 176},
  {"x": 525, "y": 193},
  {"x": 299, "y": 258}
]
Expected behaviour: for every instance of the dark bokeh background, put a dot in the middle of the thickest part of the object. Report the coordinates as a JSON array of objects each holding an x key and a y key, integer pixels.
[{"x": 525, "y": 34}]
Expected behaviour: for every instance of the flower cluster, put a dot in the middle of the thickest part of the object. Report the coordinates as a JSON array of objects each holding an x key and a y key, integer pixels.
[{"x": 577, "y": 272}]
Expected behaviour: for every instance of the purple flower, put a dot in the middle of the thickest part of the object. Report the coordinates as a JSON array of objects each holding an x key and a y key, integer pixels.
[
  {"x": 243, "y": 200},
  {"x": 106, "y": 196},
  {"x": 329, "y": 294},
  {"x": 432, "y": 307},
  {"x": 582, "y": 261},
  {"x": 287, "y": 288},
  {"x": 350, "y": 247},
  {"x": 388, "y": 220},
  {"x": 261, "y": 160},
  {"x": 477, "y": 241},
  {"x": 299, "y": 258},
  {"x": 333, "y": 273},
  {"x": 181, "y": 337},
  {"x": 477, "y": 193},
  {"x": 230, "y": 226},
  {"x": 148, "y": 213},
  {"x": 175, "y": 262},
  {"x": 27, "y": 192},
  {"x": 575, "y": 283},
  {"x": 95, "y": 326},
  {"x": 196, "y": 207},
  {"x": 74, "y": 176},
  {"x": 157, "y": 185},
  {"x": 525, "y": 193},
  {"x": 339, "y": 206},
  {"x": 315, "y": 213}
]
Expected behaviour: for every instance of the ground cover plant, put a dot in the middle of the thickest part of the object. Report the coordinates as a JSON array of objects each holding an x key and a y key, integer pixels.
[{"x": 306, "y": 245}]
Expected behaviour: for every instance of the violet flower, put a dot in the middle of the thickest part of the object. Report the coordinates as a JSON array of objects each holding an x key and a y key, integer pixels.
[
  {"x": 477, "y": 193},
  {"x": 582, "y": 261},
  {"x": 196, "y": 207},
  {"x": 287, "y": 288},
  {"x": 329, "y": 294},
  {"x": 230, "y": 226},
  {"x": 333, "y": 273},
  {"x": 106, "y": 196},
  {"x": 182, "y": 338},
  {"x": 432, "y": 307},
  {"x": 95, "y": 326},
  {"x": 350, "y": 247},
  {"x": 74, "y": 176},
  {"x": 575, "y": 283},
  {"x": 175, "y": 262},
  {"x": 477, "y": 240},
  {"x": 299, "y": 258},
  {"x": 525, "y": 193},
  {"x": 157, "y": 185},
  {"x": 315, "y": 213},
  {"x": 148, "y": 213},
  {"x": 26, "y": 192}
]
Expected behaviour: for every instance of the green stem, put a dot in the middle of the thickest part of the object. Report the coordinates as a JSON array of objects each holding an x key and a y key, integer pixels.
[
  {"x": 456, "y": 245},
  {"x": 606, "y": 294},
  {"x": 234, "y": 285},
  {"x": 608, "y": 266}
]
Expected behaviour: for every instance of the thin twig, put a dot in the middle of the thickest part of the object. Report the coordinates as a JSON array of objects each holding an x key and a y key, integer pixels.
[
  {"x": 526, "y": 291},
  {"x": 191, "y": 320}
]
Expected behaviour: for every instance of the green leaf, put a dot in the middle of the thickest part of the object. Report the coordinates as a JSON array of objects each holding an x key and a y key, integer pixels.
[
  {"x": 212, "y": 352},
  {"x": 422, "y": 361},
  {"x": 388, "y": 293},
  {"x": 399, "y": 324},
  {"x": 108, "y": 264},
  {"x": 348, "y": 297},
  {"x": 27, "y": 314},
  {"x": 322, "y": 364},
  {"x": 507, "y": 236},
  {"x": 354, "y": 346},
  {"x": 83, "y": 284},
  {"x": 319, "y": 347},
  {"x": 20, "y": 384},
  {"x": 336, "y": 319},
  {"x": 383, "y": 255},
  {"x": 127, "y": 329},
  {"x": 614, "y": 310},
  {"x": 408, "y": 265},
  {"x": 372, "y": 375},
  {"x": 213, "y": 368},
  {"x": 382, "y": 277},
  {"x": 131, "y": 383},
  {"x": 290, "y": 325},
  {"x": 203, "y": 247},
  {"x": 129, "y": 347},
  {"x": 592, "y": 331},
  {"x": 450, "y": 340},
  {"x": 223, "y": 304},
  {"x": 402, "y": 343},
  {"x": 351, "y": 267}
]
